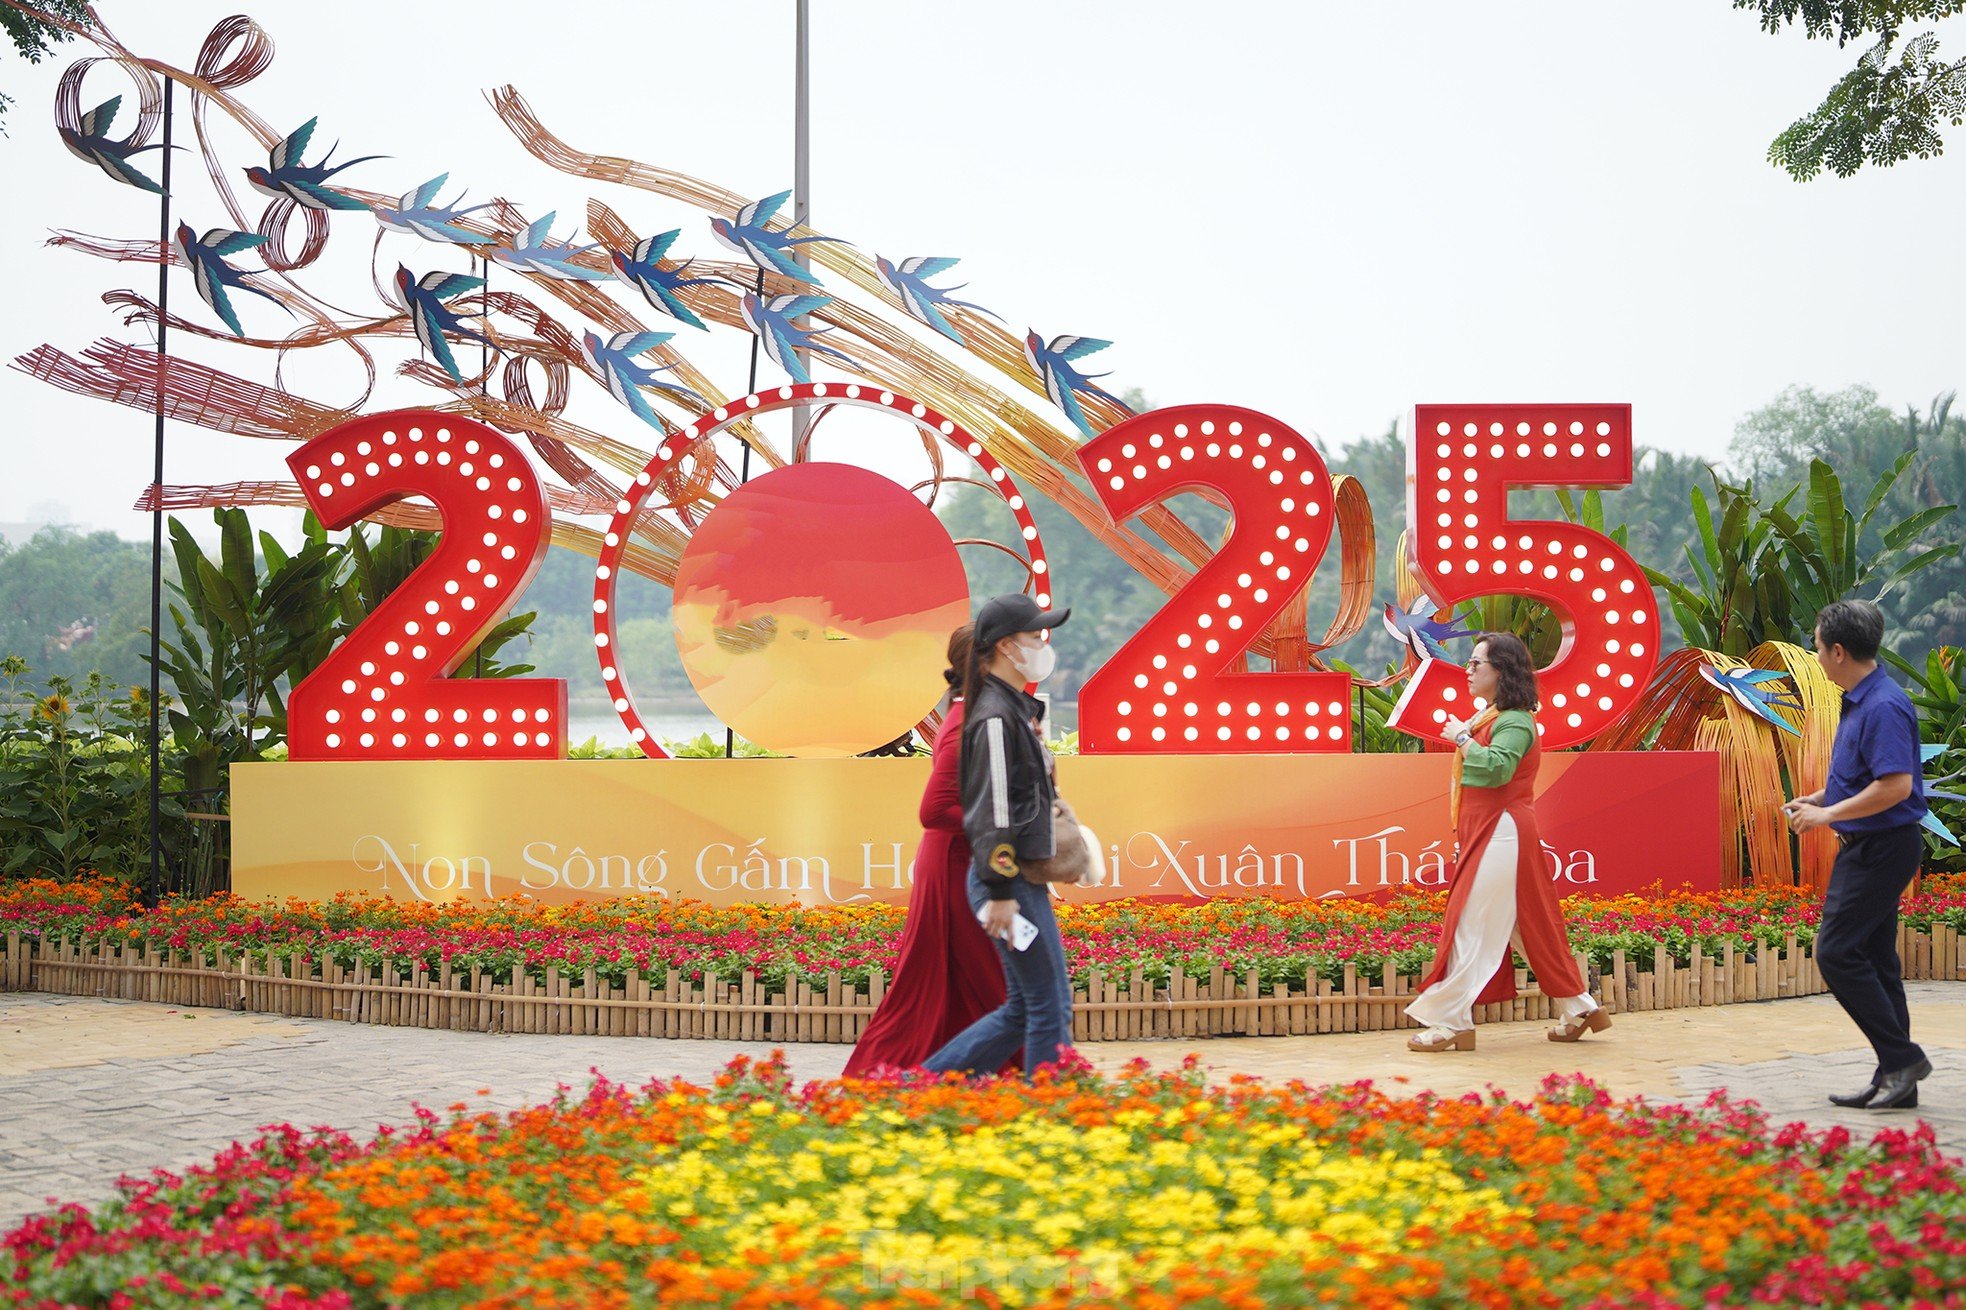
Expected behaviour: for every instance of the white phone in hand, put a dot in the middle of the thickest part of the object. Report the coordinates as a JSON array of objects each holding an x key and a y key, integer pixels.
[{"x": 1022, "y": 931}]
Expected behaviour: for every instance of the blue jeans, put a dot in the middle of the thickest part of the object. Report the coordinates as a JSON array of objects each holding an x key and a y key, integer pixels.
[{"x": 1037, "y": 1009}]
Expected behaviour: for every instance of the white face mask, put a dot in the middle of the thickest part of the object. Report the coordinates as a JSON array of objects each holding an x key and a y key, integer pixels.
[{"x": 1035, "y": 663}]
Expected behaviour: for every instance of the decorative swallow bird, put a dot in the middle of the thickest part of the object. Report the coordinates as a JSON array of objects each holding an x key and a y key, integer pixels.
[
  {"x": 534, "y": 251},
  {"x": 661, "y": 286},
  {"x": 1744, "y": 686},
  {"x": 91, "y": 141},
  {"x": 1932, "y": 822},
  {"x": 417, "y": 214},
  {"x": 1416, "y": 628},
  {"x": 423, "y": 299},
  {"x": 614, "y": 360},
  {"x": 1062, "y": 382},
  {"x": 746, "y": 234},
  {"x": 285, "y": 177},
  {"x": 909, "y": 282},
  {"x": 206, "y": 257},
  {"x": 772, "y": 321}
]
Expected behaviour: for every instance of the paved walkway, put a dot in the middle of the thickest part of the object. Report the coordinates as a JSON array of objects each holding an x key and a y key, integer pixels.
[{"x": 93, "y": 1088}]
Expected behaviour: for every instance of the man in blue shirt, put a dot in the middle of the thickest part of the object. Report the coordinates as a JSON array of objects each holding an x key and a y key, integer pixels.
[{"x": 1874, "y": 800}]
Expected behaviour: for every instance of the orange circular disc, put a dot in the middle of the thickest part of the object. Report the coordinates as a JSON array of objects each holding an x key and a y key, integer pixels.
[{"x": 814, "y": 606}]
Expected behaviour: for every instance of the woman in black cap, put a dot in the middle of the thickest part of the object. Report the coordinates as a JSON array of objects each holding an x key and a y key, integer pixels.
[
  {"x": 1007, "y": 795},
  {"x": 946, "y": 976}
]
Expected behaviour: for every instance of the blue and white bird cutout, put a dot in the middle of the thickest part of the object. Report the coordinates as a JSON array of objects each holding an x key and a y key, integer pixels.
[
  {"x": 285, "y": 177},
  {"x": 747, "y": 235},
  {"x": 1931, "y": 822},
  {"x": 535, "y": 251},
  {"x": 613, "y": 360},
  {"x": 661, "y": 287},
  {"x": 205, "y": 256},
  {"x": 1415, "y": 628},
  {"x": 434, "y": 321},
  {"x": 1744, "y": 687},
  {"x": 90, "y": 141},
  {"x": 772, "y": 321},
  {"x": 418, "y": 214},
  {"x": 908, "y": 280},
  {"x": 1064, "y": 384}
]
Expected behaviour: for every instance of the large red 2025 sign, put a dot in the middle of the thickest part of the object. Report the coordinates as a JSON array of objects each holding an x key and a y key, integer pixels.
[
  {"x": 1170, "y": 688},
  {"x": 385, "y": 692},
  {"x": 1461, "y": 462}
]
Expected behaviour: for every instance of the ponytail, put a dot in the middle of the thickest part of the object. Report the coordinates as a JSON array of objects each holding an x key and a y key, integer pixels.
[
  {"x": 979, "y": 660},
  {"x": 960, "y": 642}
]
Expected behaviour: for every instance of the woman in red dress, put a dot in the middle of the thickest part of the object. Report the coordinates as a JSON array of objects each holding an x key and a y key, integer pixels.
[
  {"x": 1499, "y": 896},
  {"x": 948, "y": 975}
]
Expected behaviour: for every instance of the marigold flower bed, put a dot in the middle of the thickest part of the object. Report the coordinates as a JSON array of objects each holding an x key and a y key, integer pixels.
[
  {"x": 1280, "y": 940},
  {"x": 1138, "y": 1190}
]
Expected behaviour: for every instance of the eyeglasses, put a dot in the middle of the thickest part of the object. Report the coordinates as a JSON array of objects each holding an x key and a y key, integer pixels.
[{"x": 1474, "y": 663}]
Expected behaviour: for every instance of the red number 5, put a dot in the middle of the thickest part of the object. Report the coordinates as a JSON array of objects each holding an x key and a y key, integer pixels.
[
  {"x": 1170, "y": 689},
  {"x": 1461, "y": 462},
  {"x": 385, "y": 692}
]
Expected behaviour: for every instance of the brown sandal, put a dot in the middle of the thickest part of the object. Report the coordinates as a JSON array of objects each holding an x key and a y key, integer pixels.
[
  {"x": 1570, "y": 1030},
  {"x": 1460, "y": 1041}
]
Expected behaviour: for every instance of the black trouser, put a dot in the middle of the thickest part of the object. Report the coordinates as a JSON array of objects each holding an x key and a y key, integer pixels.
[{"x": 1857, "y": 944}]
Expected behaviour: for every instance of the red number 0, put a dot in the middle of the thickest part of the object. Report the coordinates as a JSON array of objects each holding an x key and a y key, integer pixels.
[
  {"x": 1169, "y": 689},
  {"x": 1461, "y": 462},
  {"x": 385, "y": 692}
]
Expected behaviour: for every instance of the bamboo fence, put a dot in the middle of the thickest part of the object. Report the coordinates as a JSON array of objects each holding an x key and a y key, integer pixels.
[{"x": 406, "y": 994}]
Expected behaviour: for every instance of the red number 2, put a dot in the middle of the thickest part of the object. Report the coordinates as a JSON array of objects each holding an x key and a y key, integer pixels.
[
  {"x": 1170, "y": 689},
  {"x": 385, "y": 692}
]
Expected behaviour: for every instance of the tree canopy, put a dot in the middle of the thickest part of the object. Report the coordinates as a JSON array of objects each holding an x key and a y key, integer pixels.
[
  {"x": 34, "y": 38},
  {"x": 72, "y": 603},
  {"x": 1861, "y": 438},
  {"x": 1892, "y": 106}
]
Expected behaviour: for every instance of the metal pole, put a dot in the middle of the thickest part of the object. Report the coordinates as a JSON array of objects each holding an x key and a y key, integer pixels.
[
  {"x": 152, "y": 885},
  {"x": 744, "y": 475},
  {"x": 801, "y": 199},
  {"x": 801, "y": 179},
  {"x": 484, "y": 379}
]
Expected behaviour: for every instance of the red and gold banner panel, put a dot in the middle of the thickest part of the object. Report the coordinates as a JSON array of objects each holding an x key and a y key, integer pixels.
[{"x": 834, "y": 831}]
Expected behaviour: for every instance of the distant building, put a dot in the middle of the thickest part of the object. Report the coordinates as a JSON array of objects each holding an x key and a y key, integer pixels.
[{"x": 19, "y": 534}]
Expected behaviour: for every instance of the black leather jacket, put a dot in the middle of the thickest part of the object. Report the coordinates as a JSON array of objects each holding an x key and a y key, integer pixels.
[{"x": 1007, "y": 784}]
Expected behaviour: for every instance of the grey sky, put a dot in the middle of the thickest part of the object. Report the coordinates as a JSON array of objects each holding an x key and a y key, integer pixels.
[{"x": 1326, "y": 212}]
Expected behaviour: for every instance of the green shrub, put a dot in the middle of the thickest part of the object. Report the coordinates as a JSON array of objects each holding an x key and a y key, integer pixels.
[{"x": 74, "y": 778}]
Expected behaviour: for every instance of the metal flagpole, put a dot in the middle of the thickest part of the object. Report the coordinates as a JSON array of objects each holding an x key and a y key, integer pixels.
[
  {"x": 483, "y": 265},
  {"x": 800, "y": 192},
  {"x": 152, "y": 885},
  {"x": 801, "y": 180},
  {"x": 744, "y": 476}
]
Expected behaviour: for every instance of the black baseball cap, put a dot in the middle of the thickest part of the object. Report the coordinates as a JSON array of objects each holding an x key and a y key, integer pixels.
[{"x": 1005, "y": 616}]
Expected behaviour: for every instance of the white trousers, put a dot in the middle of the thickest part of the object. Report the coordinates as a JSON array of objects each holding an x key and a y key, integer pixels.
[{"x": 1483, "y": 938}]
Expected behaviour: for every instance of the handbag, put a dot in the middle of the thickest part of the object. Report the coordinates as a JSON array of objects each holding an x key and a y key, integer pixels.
[{"x": 1076, "y": 856}]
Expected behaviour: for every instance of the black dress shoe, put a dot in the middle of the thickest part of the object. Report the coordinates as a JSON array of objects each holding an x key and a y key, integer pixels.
[
  {"x": 1898, "y": 1090},
  {"x": 1860, "y": 1100}
]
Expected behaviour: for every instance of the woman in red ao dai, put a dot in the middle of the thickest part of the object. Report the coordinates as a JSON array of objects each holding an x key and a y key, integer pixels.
[{"x": 1498, "y": 897}]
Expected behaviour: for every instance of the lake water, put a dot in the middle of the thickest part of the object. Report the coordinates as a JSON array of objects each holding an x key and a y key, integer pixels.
[
  {"x": 677, "y": 723},
  {"x": 681, "y": 722}
]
